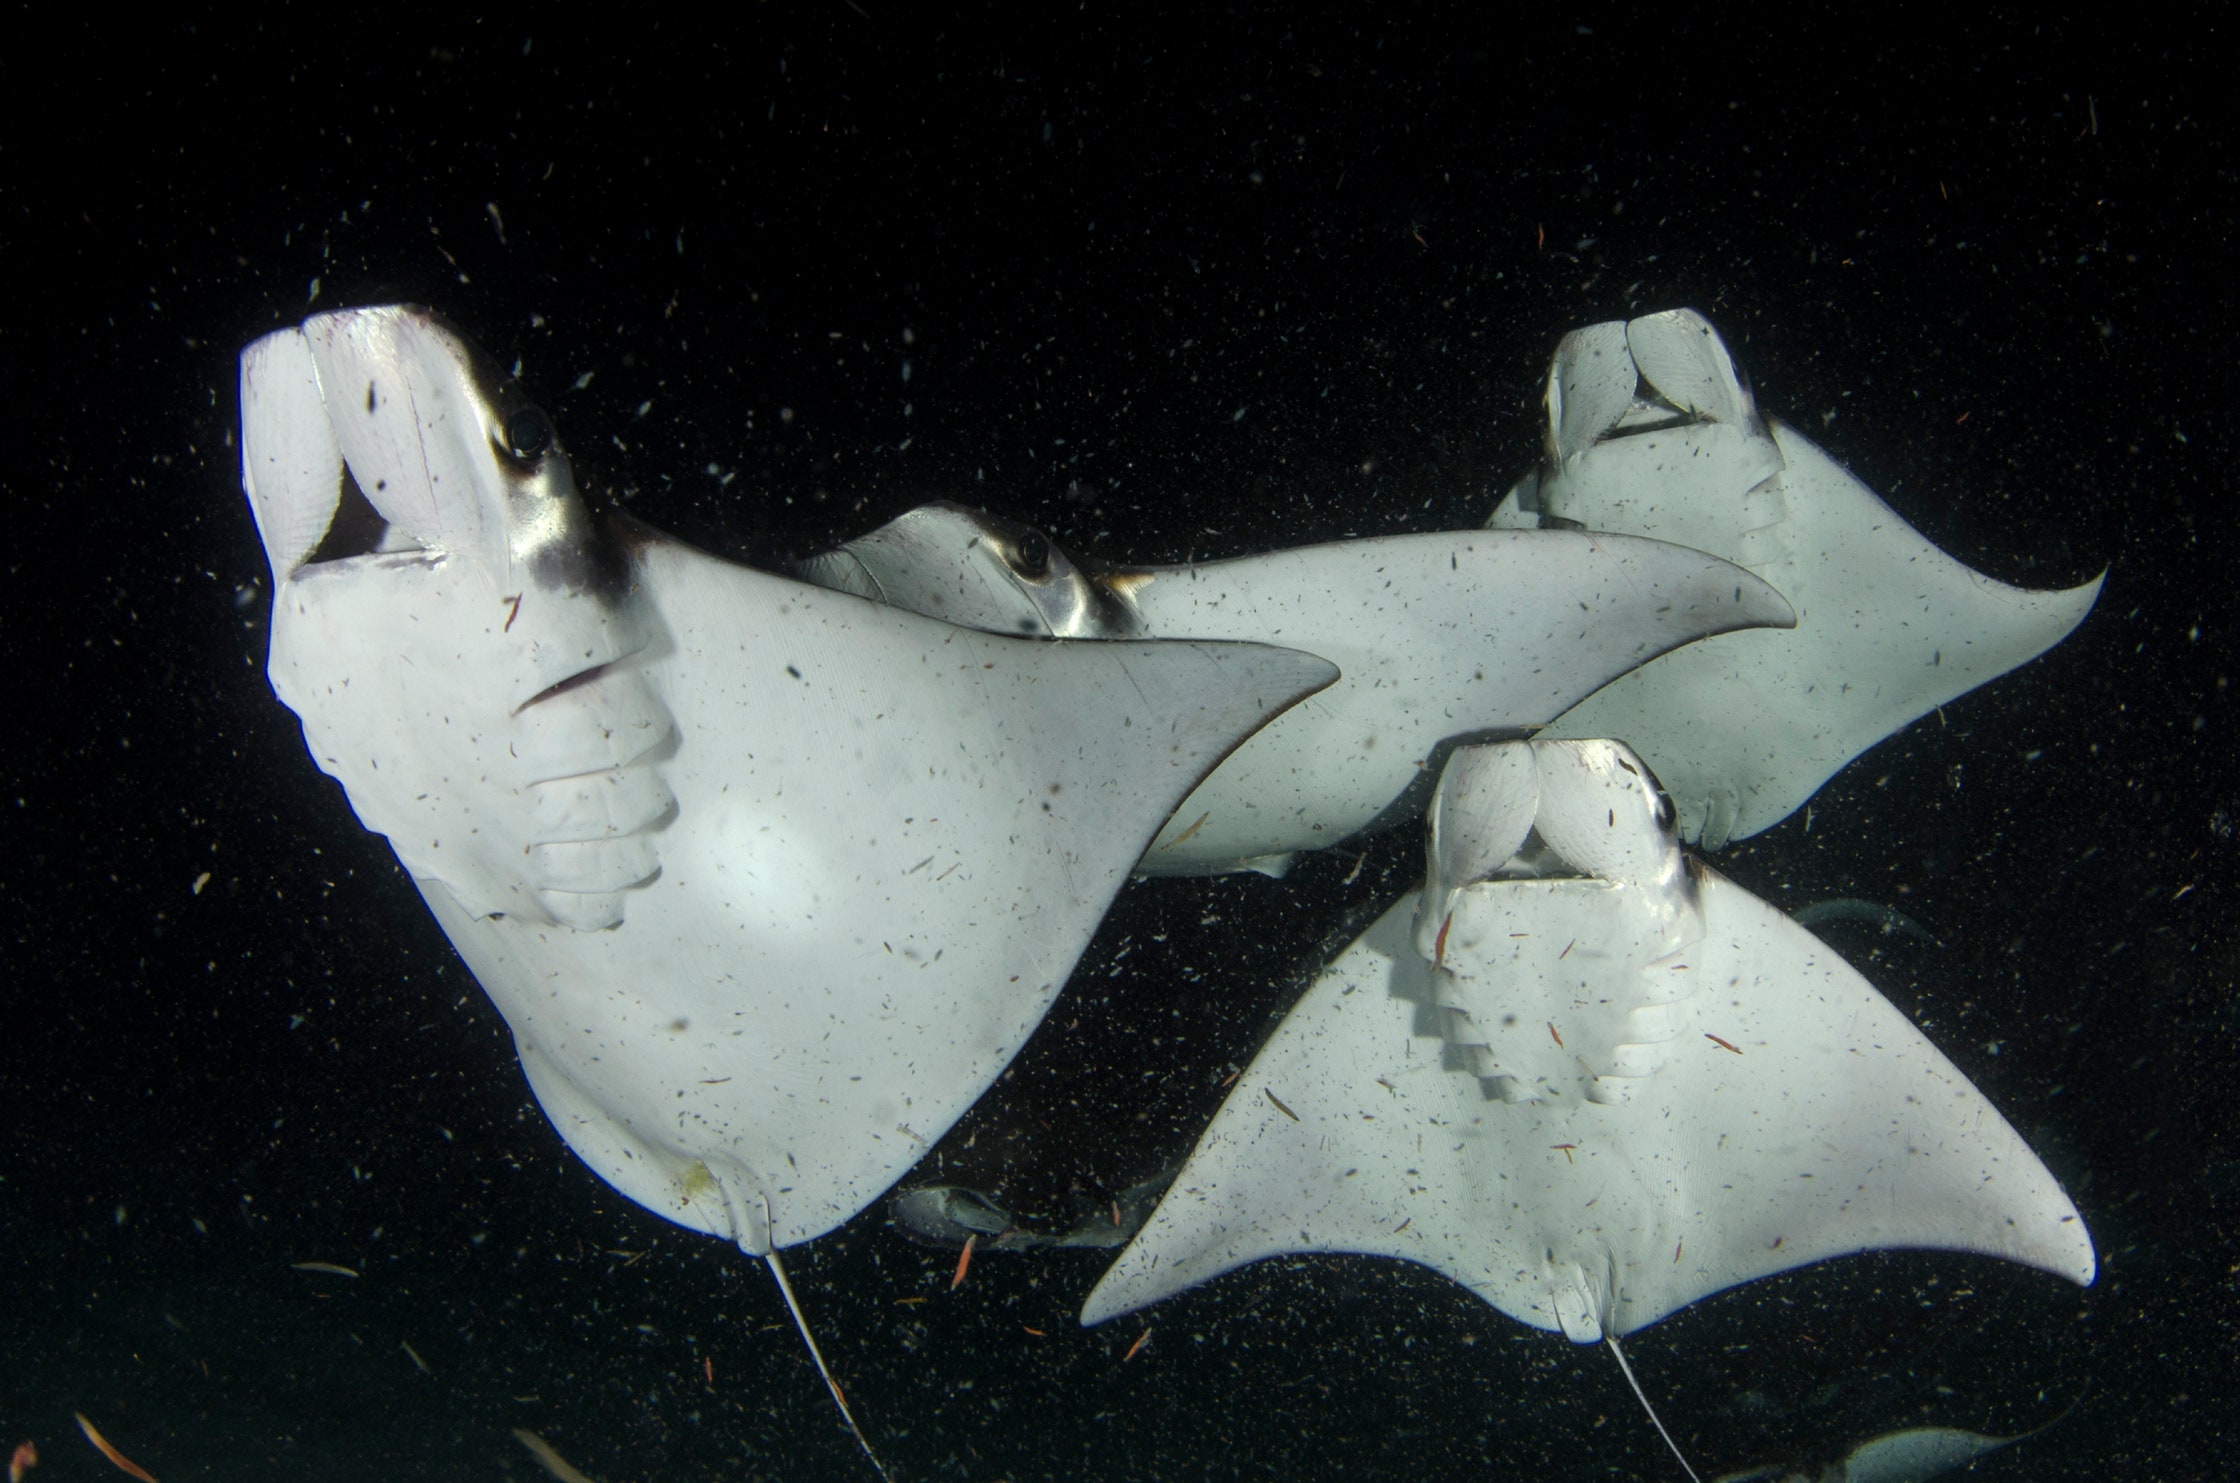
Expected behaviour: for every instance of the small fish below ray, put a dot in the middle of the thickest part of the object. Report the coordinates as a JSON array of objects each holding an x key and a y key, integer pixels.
[
  {"x": 1887, "y": 920},
  {"x": 948, "y": 1216},
  {"x": 1441, "y": 636},
  {"x": 1651, "y": 431},
  {"x": 1916, "y": 1454},
  {"x": 1596, "y": 1188}
]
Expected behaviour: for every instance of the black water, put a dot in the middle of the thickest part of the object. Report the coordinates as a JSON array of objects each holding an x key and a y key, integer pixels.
[{"x": 1197, "y": 284}]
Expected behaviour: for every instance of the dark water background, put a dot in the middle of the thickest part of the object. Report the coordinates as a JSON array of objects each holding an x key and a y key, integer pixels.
[{"x": 1197, "y": 283}]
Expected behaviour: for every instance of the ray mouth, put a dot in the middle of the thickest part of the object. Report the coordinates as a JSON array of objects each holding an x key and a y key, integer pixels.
[
  {"x": 356, "y": 528},
  {"x": 1658, "y": 419}
]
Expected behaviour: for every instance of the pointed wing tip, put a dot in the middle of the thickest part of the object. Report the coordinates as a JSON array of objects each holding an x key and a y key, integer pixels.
[
  {"x": 1106, "y": 1300},
  {"x": 1770, "y": 608},
  {"x": 2063, "y": 606},
  {"x": 1731, "y": 598},
  {"x": 2081, "y": 1264},
  {"x": 1308, "y": 674},
  {"x": 2066, "y": 1252},
  {"x": 1134, "y": 1291},
  {"x": 2086, "y": 593},
  {"x": 2044, "y": 1230},
  {"x": 1132, "y": 1283}
]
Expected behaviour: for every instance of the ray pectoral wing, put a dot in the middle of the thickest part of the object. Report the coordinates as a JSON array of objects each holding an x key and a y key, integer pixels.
[
  {"x": 892, "y": 840},
  {"x": 1445, "y": 637},
  {"x": 1344, "y": 1172},
  {"x": 1903, "y": 1152}
]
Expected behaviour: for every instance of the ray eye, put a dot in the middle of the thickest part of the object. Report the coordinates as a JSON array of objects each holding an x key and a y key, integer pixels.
[
  {"x": 1031, "y": 559},
  {"x": 528, "y": 433}
]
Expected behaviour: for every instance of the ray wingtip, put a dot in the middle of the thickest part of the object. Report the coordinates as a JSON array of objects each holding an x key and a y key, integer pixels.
[
  {"x": 2084, "y": 1262},
  {"x": 1099, "y": 1307},
  {"x": 1121, "y": 1291}
]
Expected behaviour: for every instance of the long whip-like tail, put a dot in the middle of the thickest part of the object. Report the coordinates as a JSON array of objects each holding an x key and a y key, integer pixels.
[
  {"x": 801, "y": 1322},
  {"x": 1638, "y": 1394}
]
